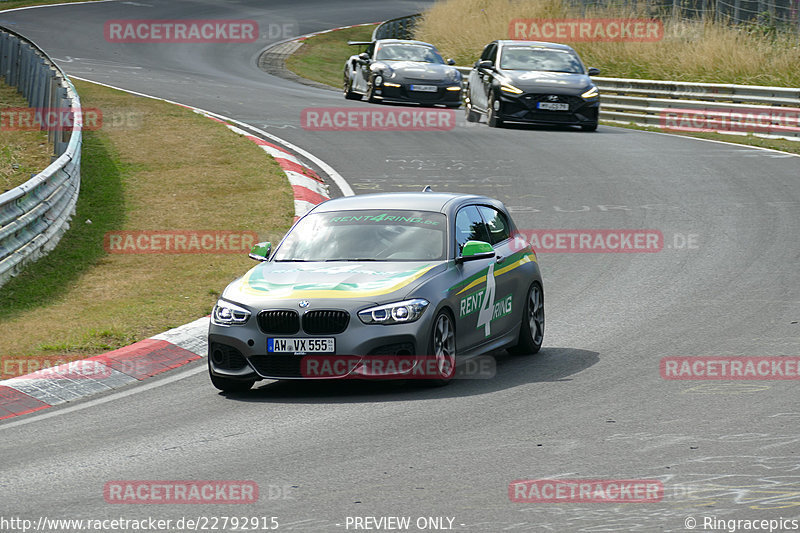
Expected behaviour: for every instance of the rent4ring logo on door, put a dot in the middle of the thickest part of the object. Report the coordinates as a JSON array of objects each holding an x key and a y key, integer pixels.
[{"x": 484, "y": 304}]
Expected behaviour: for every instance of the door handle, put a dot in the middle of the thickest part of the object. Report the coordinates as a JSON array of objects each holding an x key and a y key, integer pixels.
[{"x": 499, "y": 259}]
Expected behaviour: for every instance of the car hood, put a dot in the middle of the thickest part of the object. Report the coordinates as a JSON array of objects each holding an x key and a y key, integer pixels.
[
  {"x": 297, "y": 280},
  {"x": 417, "y": 70},
  {"x": 537, "y": 79}
]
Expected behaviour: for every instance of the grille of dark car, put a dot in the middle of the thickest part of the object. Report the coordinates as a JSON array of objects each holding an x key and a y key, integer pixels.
[
  {"x": 551, "y": 116},
  {"x": 279, "y": 322},
  {"x": 281, "y": 366},
  {"x": 226, "y": 357},
  {"x": 424, "y": 96},
  {"x": 532, "y": 99},
  {"x": 325, "y": 322}
]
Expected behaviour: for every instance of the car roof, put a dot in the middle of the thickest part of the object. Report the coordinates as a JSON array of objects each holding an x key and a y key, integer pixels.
[
  {"x": 412, "y": 201},
  {"x": 541, "y": 44}
]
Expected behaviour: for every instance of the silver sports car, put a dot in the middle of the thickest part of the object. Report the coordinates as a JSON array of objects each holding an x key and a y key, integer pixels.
[
  {"x": 393, "y": 70},
  {"x": 396, "y": 285}
]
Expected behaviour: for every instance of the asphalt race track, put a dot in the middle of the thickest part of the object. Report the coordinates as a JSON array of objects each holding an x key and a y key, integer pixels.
[{"x": 591, "y": 405}]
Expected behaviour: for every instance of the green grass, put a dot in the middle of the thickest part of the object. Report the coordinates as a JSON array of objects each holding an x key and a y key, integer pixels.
[
  {"x": 100, "y": 200},
  {"x": 140, "y": 174},
  {"x": 322, "y": 57},
  {"x": 22, "y": 153},
  {"x": 11, "y": 4},
  {"x": 694, "y": 51}
]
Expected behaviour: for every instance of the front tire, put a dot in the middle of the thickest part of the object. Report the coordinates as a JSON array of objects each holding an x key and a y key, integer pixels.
[
  {"x": 371, "y": 93},
  {"x": 472, "y": 115},
  {"x": 443, "y": 349},
  {"x": 348, "y": 93},
  {"x": 494, "y": 119},
  {"x": 531, "y": 332}
]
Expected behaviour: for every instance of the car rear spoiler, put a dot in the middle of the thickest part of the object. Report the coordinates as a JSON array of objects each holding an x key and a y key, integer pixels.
[{"x": 359, "y": 43}]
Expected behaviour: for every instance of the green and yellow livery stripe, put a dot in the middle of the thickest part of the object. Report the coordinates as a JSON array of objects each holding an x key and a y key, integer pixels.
[
  {"x": 336, "y": 289},
  {"x": 517, "y": 260}
]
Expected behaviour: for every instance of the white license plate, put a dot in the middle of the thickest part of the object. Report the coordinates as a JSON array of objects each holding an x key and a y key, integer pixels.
[
  {"x": 553, "y": 106},
  {"x": 308, "y": 345},
  {"x": 423, "y": 88}
]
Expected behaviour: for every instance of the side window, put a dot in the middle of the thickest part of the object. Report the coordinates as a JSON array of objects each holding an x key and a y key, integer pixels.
[
  {"x": 469, "y": 227},
  {"x": 371, "y": 51},
  {"x": 496, "y": 223},
  {"x": 493, "y": 53},
  {"x": 489, "y": 51}
]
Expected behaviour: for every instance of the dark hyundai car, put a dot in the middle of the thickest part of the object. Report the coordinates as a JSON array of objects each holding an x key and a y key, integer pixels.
[
  {"x": 534, "y": 82},
  {"x": 394, "y": 70}
]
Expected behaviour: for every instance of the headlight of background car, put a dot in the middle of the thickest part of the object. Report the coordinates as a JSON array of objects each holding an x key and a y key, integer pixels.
[
  {"x": 228, "y": 314},
  {"x": 508, "y": 88},
  {"x": 395, "y": 313},
  {"x": 591, "y": 93}
]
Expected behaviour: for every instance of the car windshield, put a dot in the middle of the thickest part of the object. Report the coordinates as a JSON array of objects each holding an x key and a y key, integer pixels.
[
  {"x": 408, "y": 52},
  {"x": 543, "y": 59},
  {"x": 368, "y": 235}
]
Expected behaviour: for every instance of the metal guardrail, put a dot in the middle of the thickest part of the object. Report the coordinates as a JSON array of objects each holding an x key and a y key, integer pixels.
[
  {"x": 772, "y": 111},
  {"x": 649, "y": 102},
  {"x": 34, "y": 215},
  {"x": 656, "y": 102}
]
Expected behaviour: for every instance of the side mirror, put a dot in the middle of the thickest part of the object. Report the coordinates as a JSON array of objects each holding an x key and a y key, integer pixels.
[
  {"x": 260, "y": 251},
  {"x": 593, "y": 71},
  {"x": 363, "y": 56},
  {"x": 486, "y": 63},
  {"x": 451, "y": 61},
  {"x": 474, "y": 250}
]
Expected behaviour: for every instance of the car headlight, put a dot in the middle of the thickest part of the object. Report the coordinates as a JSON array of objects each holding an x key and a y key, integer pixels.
[
  {"x": 395, "y": 313},
  {"x": 591, "y": 93},
  {"x": 508, "y": 88},
  {"x": 390, "y": 84},
  {"x": 229, "y": 314},
  {"x": 455, "y": 88},
  {"x": 378, "y": 80}
]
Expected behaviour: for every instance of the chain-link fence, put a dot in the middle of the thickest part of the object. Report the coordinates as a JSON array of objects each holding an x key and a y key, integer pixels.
[{"x": 776, "y": 15}]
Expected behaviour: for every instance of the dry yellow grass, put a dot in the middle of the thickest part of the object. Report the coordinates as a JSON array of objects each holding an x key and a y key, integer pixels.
[
  {"x": 690, "y": 51},
  {"x": 22, "y": 153},
  {"x": 178, "y": 171}
]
